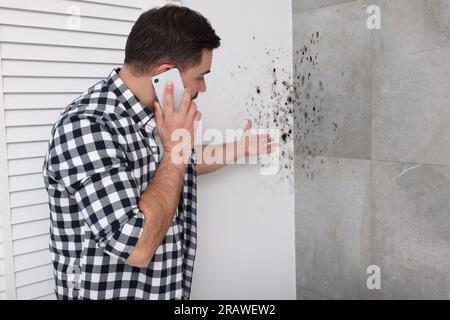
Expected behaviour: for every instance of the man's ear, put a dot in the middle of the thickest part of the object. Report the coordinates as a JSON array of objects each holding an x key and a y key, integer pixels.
[{"x": 161, "y": 68}]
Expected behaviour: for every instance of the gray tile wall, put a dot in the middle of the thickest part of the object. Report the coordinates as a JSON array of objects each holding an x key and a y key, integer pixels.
[{"x": 372, "y": 143}]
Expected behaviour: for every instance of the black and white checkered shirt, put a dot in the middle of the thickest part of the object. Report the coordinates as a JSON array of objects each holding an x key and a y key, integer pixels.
[{"x": 103, "y": 153}]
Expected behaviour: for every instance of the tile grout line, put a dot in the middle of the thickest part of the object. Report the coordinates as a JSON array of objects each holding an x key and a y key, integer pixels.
[
  {"x": 324, "y": 6},
  {"x": 375, "y": 160},
  {"x": 370, "y": 236},
  {"x": 292, "y": 49}
]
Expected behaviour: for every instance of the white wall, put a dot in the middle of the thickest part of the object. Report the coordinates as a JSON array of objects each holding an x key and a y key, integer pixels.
[{"x": 246, "y": 221}]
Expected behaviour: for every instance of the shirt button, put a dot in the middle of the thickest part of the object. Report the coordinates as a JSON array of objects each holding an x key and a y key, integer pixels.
[{"x": 154, "y": 149}]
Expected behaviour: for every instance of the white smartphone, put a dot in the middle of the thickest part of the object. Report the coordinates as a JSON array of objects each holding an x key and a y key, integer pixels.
[{"x": 159, "y": 83}]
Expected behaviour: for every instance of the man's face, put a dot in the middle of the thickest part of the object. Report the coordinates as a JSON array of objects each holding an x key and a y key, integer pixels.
[{"x": 194, "y": 77}]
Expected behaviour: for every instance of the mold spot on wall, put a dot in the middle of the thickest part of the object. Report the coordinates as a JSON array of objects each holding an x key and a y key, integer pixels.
[
  {"x": 320, "y": 86},
  {"x": 308, "y": 107},
  {"x": 335, "y": 126},
  {"x": 270, "y": 106}
]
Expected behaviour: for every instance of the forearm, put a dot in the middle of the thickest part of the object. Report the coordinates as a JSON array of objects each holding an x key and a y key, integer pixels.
[
  {"x": 158, "y": 204},
  {"x": 222, "y": 154}
]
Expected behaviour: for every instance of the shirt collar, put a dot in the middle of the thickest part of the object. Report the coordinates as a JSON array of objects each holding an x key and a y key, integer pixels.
[{"x": 140, "y": 113}]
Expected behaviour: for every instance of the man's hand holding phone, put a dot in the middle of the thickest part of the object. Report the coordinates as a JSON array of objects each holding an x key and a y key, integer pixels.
[{"x": 177, "y": 128}]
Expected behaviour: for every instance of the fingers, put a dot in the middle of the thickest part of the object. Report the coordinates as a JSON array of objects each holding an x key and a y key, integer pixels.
[
  {"x": 186, "y": 101},
  {"x": 265, "y": 144},
  {"x": 248, "y": 125},
  {"x": 168, "y": 107},
  {"x": 264, "y": 138},
  {"x": 267, "y": 148},
  {"x": 159, "y": 114},
  {"x": 197, "y": 118},
  {"x": 192, "y": 110},
  {"x": 271, "y": 148}
]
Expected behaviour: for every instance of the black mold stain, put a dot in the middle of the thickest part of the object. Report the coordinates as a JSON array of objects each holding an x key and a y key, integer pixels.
[
  {"x": 335, "y": 126},
  {"x": 308, "y": 117},
  {"x": 301, "y": 96},
  {"x": 272, "y": 107}
]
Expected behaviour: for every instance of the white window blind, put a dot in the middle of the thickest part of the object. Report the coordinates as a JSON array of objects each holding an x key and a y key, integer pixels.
[{"x": 50, "y": 52}]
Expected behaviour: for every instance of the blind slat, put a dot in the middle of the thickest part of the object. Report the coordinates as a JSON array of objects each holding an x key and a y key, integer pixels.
[
  {"x": 50, "y": 85},
  {"x": 60, "y": 37},
  {"x": 28, "y": 133},
  {"x": 39, "y": 100},
  {"x": 48, "y": 297},
  {"x": 28, "y": 245},
  {"x": 30, "y": 229},
  {"x": 34, "y": 275},
  {"x": 27, "y": 198},
  {"x": 55, "y": 69},
  {"x": 35, "y": 290},
  {"x": 31, "y": 117},
  {"x": 63, "y": 22},
  {"x": 26, "y": 182},
  {"x": 29, "y": 213},
  {"x": 32, "y": 260},
  {"x": 84, "y": 8},
  {"x": 2, "y": 283},
  {"x": 128, "y": 3},
  {"x": 25, "y": 166},
  {"x": 26, "y": 150},
  {"x": 54, "y": 53}
]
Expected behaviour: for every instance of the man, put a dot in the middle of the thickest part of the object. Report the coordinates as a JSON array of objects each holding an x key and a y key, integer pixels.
[{"x": 123, "y": 211}]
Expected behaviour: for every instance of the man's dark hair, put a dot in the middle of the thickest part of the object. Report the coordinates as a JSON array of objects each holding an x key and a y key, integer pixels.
[{"x": 170, "y": 34}]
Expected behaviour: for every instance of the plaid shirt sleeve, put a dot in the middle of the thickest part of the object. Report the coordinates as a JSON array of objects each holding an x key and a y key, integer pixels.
[{"x": 89, "y": 162}]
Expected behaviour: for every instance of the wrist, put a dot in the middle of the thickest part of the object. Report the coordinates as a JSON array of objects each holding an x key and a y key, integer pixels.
[{"x": 177, "y": 157}]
